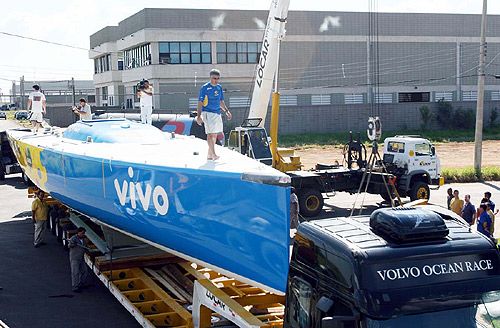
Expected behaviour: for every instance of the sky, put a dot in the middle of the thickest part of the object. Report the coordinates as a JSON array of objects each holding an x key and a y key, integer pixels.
[{"x": 72, "y": 23}]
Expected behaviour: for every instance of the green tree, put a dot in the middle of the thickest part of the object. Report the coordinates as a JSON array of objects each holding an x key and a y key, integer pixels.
[
  {"x": 444, "y": 114},
  {"x": 426, "y": 116},
  {"x": 493, "y": 116}
]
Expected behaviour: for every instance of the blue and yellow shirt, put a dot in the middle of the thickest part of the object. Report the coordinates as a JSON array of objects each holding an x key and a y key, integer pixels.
[{"x": 211, "y": 96}]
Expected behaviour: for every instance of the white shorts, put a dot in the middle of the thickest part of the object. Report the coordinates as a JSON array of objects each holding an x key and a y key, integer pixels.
[
  {"x": 212, "y": 121},
  {"x": 36, "y": 116}
]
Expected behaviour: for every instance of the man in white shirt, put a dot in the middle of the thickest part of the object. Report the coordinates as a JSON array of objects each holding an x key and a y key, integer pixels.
[
  {"x": 37, "y": 105},
  {"x": 83, "y": 110},
  {"x": 145, "y": 95}
]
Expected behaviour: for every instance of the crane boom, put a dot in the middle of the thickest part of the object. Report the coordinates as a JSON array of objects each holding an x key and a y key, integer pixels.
[{"x": 268, "y": 59}]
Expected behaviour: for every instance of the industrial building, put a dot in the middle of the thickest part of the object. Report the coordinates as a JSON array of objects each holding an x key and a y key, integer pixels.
[{"x": 324, "y": 58}]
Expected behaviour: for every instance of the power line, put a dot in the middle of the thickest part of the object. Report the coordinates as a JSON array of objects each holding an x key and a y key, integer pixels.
[{"x": 43, "y": 41}]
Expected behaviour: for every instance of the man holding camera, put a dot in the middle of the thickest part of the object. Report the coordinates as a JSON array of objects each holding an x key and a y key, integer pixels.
[
  {"x": 145, "y": 94},
  {"x": 83, "y": 110}
]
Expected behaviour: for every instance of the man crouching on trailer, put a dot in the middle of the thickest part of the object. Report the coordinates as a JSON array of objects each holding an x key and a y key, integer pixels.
[{"x": 77, "y": 248}]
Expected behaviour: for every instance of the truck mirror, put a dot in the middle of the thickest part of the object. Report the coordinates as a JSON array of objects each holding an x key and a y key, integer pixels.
[
  {"x": 433, "y": 151},
  {"x": 324, "y": 304},
  {"x": 337, "y": 321}
]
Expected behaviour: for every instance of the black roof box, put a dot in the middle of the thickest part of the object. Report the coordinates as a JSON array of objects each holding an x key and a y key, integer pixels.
[{"x": 404, "y": 225}]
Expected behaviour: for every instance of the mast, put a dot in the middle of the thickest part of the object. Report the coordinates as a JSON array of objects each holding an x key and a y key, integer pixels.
[{"x": 268, "y": 60}]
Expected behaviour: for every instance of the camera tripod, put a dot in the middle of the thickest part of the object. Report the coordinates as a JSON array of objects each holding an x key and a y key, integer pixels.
[{"x": 389, "y": 186}]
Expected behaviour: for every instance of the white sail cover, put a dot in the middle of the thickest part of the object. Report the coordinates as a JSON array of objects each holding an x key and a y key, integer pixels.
[{"x": 268, "y": 60}]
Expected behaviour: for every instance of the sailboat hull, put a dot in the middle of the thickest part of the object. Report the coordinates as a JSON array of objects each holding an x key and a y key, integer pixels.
[{"x": 212, "y": 217}]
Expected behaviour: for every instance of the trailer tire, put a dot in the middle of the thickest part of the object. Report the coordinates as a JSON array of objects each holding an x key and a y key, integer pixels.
[
  {"x": 53, "y": 223},
  {"x": 59, "y": 231},
  {"x": 420, "y": 190},
  {"x": 310, "y": 202}
]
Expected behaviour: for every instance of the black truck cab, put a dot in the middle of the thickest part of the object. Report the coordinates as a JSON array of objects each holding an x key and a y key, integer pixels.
[
  {"x": 8, "y": 161},
  {"x": 407, "y": 267}
]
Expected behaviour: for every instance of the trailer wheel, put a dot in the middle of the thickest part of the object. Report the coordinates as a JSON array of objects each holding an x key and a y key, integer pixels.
[
  {"x": 420, "y": 190},
  {"x": 53, "y": 223},
  {"x": 59, "y": 232},
  {"x": 310, "y": 202}
]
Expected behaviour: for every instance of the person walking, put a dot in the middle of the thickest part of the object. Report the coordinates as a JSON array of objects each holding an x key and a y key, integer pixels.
[
  {"x": 77, "y": 248},
  {"x": 210, "y": 104},
  {"x": 37, "y": 105},
  {"x": 449, "y": 198},
  {"x": 484, "y": 222},
  {"x": 39, "y": 211},
  {"x": 487, "y": 195},
  {"x": 145, "y": 94},
  {"x": 456, "y": 203},
  {"x": 83, "y": 110},
  {"x": 468, "y": 211}
]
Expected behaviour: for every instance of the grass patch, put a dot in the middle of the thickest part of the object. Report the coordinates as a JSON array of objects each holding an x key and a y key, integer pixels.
[
  {"x": 467, "y": 174},
  {"x": 341, "y": 138}
]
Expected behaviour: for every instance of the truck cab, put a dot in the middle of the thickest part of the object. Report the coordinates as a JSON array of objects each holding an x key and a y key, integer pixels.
[
  {"x": 412, "y": 155},
  {"x": 8, "y": 161},
  {"x": 404, "y": 267}
]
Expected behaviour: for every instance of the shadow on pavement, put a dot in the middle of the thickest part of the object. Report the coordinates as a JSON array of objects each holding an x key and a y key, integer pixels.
[
  {"x": 14, "y": 181},
  {"x": 491, "y": 185},
  {"x": 35, "y": 286}
]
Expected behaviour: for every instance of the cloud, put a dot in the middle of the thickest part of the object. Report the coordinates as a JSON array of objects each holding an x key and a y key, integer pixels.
[
  {"x": 218, "y": 21},
  {"x": 329, "y": 20}
]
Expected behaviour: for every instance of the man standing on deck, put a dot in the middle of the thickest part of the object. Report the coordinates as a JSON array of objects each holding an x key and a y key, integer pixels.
[
  {"x": 210, "y": 104},
  {"x": 37, "y": 104}
]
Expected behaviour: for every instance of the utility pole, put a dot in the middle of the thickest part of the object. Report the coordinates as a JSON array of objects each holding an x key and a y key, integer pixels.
[
  {"x": 369, "y": 91},
  {"x": 21, "y": 91},
  {"x": 73, "y": 90},
  {"x": 480, "y": 95}
]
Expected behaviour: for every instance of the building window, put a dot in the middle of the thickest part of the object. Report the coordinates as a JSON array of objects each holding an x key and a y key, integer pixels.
[
  {"x": 469, "y": 95},
  {"x": 353, "y": 98},
  {"x": 104, "y": 95},
  {"x": 238, "y": 52},
  {"x": 239, "y": 102},
  {"x": 383, "y": 98},
  {"x": 320, "y": 100},
  {"x": 120, "y": 61},
  {"x": 185, "y": 53},
  {"x": 495, "y": 95},
  {"x": 102, "y": 64},
  {"x": 414, "y": 97},
  {"x": 443, "y": 95},
  {"x": 193, "y": 103},
  {"x": 288, "y": 100},
  {"x": 137, "y": 57},
  {"x": 130, "y": 103}
]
